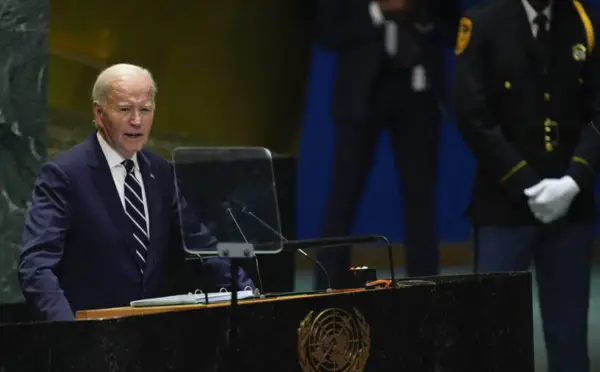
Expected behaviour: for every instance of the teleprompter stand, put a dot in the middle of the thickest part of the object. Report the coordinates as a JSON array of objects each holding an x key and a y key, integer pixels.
[{"x": 234, "y": 252}]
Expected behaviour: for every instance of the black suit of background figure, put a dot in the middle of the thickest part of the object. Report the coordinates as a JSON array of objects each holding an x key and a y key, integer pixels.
[{"x": 402, "y": 92}]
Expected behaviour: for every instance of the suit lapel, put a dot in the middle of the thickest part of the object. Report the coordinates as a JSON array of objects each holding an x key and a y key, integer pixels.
[
  {"x": 105, "y": 188},
  {"x": 560, "y": 11},
  {"x": 566, "y": 26},
  {"x": 153, "y": 201}
]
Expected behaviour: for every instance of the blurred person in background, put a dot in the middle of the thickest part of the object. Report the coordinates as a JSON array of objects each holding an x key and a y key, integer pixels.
[
  {"x": 528, "y": 98},
  {"x": 390, "y": 76}
]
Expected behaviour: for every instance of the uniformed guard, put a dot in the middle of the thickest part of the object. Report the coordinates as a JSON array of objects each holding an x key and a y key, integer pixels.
[
  {"x": 390, "y": 77},
  {"x": 528, "y": 95}
]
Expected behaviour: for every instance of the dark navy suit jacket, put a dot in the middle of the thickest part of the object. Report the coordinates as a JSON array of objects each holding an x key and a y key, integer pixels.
[{"x": 78, "y": 248}]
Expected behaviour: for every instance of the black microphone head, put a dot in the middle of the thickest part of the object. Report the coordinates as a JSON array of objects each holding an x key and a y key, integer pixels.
[
  {"x": 225, "y": 204},
  {"x": 238, "y": 204}
]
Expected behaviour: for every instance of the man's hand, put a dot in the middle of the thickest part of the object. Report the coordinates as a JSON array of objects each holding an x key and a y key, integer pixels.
[
  {"x": 551, "y": 198},
  {"x": 393, "y": 5}
]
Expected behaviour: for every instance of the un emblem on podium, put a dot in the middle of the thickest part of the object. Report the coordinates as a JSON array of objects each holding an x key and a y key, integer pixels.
[{"x": 333, "y": 340}]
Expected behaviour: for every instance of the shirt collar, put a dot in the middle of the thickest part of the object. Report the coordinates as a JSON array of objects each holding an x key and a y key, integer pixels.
[
  {"x": 113, "y": 158},
  {"x": 532, "y": 13}
]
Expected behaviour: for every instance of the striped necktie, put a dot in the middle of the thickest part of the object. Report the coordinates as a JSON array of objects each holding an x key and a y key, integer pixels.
[{"x": 134, "y": 208}]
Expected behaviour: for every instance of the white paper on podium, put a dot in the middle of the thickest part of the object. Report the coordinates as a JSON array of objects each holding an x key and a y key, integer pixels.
[{"x": 191, "y": 299}]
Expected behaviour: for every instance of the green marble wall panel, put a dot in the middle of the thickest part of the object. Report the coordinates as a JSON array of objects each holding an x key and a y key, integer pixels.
[{"x": 23, "y": 81}]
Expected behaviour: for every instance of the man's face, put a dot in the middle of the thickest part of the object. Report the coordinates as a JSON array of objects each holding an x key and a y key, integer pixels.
[{"x": 125, "y": 118}]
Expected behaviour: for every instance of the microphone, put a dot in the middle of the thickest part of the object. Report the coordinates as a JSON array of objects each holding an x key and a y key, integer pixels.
[
  {"x": 341, "y": 241},
  {"x": 227, "y": 206},
  {"x": 249, "y": 213},
  {"x": 300, "y": 245},
  {"x": 593, "y": 125}
]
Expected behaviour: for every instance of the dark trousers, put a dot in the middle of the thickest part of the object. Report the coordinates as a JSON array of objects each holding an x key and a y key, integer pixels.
[
  {"x": 562, "y": 257},
  {"x": 413, "y": 121}
]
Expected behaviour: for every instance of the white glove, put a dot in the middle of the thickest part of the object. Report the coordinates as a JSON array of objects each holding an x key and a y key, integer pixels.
[{"x": 551, "y": 198}]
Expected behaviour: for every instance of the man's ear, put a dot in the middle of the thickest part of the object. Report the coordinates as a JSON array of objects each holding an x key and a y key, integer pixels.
[
  {"x": 98, "y": 111},
  {"x": 97, "y": 108}
]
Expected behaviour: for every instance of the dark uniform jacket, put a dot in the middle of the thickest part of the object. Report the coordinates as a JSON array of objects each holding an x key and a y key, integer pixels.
[
  {"x": 523, "y": 118},
  {"x": 346, "y": 27}
]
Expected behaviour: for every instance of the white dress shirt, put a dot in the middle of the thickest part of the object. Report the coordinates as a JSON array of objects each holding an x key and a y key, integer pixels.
[
  {"x": 114, "y": 160},
  {"x": 532, "y": 13},
  {"x": 419, "y": 75},
  {"x": 391, "y": 28}
]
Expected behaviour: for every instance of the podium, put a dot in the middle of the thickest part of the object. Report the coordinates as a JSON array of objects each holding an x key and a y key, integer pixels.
[{"x": 448, "y": 323}]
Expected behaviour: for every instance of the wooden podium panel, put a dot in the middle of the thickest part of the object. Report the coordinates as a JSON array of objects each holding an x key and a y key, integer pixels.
[
  {"x": 470, "y": 323},
  {"x": 133, "y": 311}
]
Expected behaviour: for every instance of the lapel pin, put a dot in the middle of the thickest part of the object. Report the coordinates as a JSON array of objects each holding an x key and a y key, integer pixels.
[
  {"x": 151, "y": 175},
  {"x": 579, "y": 52}
]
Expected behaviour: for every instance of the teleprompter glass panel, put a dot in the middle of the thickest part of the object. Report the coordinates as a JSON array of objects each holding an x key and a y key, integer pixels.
[{"x": 227, "y": 193}]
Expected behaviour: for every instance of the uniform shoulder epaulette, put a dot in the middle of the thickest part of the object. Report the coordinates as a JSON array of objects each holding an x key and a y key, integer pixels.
[
  {"x": 481, "y": 14},
  {"x": 587, "y": 24},
  {"x": 463, "y": 38}
]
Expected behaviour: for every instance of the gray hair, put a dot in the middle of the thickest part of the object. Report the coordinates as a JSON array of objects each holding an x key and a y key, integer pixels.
[{"x": 114, "y": 72}]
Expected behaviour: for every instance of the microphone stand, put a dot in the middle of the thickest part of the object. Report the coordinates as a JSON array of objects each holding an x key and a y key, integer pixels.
[
  {"x": 342, "y": 241},
  {"x": 233, "y": 323},
  {"x": 300, "y": 245},
  {"x": 283, "y": 238},
  {"x": 235, "y": 252}
]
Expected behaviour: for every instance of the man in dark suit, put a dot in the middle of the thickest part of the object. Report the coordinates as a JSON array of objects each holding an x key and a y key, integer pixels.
[
  {"x": 103, "y": 228},
  {"x": 528, "y": 100},
  {"x": 390, "y": 76}
]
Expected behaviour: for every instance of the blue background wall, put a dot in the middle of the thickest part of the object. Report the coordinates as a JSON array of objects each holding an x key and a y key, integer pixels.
[{"x": 381, "y": 207}]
